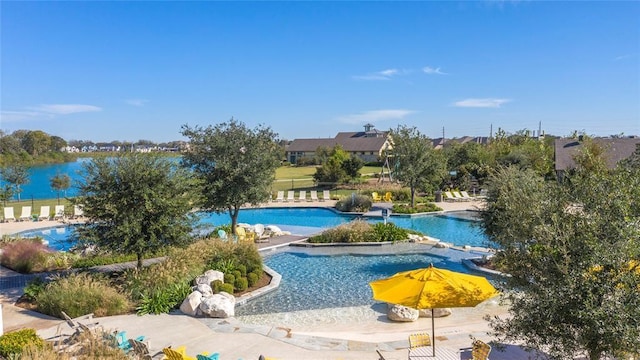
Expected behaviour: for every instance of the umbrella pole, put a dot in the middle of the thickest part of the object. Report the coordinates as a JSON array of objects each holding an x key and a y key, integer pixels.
[{"x": 433, "y": 334}]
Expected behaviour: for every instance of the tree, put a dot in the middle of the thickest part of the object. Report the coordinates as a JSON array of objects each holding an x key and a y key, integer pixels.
[
  {"x": 136, "y": 204},
  {"x": 573, "y": 254},
  {"x": 418, "y": 164},
  {"x": 16, "y": 175},
  {"x": 36, "y": 142},
  {"x": 236, "y": 164},
  {"x": 60, "y": 182},
  {"x": 337, "y": 166}
]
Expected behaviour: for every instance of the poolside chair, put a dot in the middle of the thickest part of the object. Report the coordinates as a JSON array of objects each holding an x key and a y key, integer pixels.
[
  {"x": 75, "y": 322},
  {"x": 326, "y": 195},
  {"x": 376, "y": 197},
  {"x": 179, "y": 353},
  {"x": 222, "y": 234},
  {"x": 262, "y": 234},
  {"x": 123, "y": 343},
  {"x": 141, "y": 350},
  {"x": 243, "y": 235},
  {"x": 480, "y": 350},
  {"x": 314, "y": 195},
  {"x": 280, "y": 197},
  {"x": 44, "y": 212},
  {"x": 78, "y": 212},
  {"x": 388, "y": 197},
  {"x": 58, "y": 213},
  {"x": 420, "y": 346},
  {"x": 465, "y": 195},
  {"x": 26, "y": 213},
  {"x": 8, "y": 214},
  {"x": 291, "y": 196},
  {"x": 448, "y": 196},
  {"x": 458, "y": 197},
  {"x": 214, "y": 356},
  {"x": 302, "y": 196}
]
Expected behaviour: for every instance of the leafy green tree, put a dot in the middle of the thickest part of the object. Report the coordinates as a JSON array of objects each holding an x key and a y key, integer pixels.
[
  {"x": 236, "y": 164},
  {"x": 6, "y": 192},
  {"x": 338, "y": 166},
  {"x": 418, "y": 165},
  {"x": 572, "y": 250},
  {"x": 36, "y": 142},
  {"x": 136, "y": 204},
  {"x": 16, "y": 175},
  {"x": 60, "y": 182}
]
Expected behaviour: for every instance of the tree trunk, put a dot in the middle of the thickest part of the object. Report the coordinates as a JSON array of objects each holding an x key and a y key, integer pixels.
[
  {"x": 413, "y": 195},
  {"x": 233, "y": 212},
  {"x": 139, "y": 264}
]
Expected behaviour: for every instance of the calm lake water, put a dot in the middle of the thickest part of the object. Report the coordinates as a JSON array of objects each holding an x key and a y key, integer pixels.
[{"x": 39, "y": 186}]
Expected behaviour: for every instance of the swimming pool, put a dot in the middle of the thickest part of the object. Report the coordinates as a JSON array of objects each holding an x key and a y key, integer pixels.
[{"x": 305, "y": 221}]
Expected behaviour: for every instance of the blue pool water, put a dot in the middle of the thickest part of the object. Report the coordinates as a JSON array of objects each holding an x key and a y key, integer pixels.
[{"x": 446, "y": 228}]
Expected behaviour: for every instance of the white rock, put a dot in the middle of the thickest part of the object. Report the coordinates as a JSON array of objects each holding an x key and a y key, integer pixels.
[
  {"x": 402, "y": 313},
  {"x": 205, "y": 290},
  {"x": 221, "y": 305},
  {"x": 442, "y": 245},
  {"x": 213, "y": 275},
  {"x": 436, "y": 312},
  {"x": 190, "y": 305}
]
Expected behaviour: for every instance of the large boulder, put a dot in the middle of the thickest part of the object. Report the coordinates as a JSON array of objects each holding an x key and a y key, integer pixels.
[
  {"x": 402, "y": 313},
  {"x": 209, "y": 276},
  {"x": 221, "y": 305},
  {"x": 204, "y": 289},
  {"x": 190, "y": 305},
  {"x": 436, "y": 312}
]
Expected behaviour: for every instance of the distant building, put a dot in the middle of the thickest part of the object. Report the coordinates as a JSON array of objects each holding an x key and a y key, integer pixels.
[
  {"x": 615, "y": 149},
  {"x": 368, "y": 145}
]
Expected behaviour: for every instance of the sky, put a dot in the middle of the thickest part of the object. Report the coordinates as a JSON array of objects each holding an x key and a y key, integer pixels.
[{"x": 118, "y": 70}]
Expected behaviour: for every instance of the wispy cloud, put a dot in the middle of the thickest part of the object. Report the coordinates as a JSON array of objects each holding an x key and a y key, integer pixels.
[
  {"x": 622, "y": 57},
  {"x": 65, "y": 109},
  {"x": 381, "y": 75},
  {"x": 375, "y": 116},
  {"x": 45, "y": 111},
  {"x": 481, "y": 103},
  {"x": 136, "y": 102},
  {"x": 433, "y": 71}
]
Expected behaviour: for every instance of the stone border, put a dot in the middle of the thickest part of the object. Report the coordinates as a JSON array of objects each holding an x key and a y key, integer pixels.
[
  {"x": 273, "y": 285},
  {"x": 471, "y": 265}
]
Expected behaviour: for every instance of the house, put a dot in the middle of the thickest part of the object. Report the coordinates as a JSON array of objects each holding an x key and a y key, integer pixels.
[
  {"x": 615, "y": 149},
  {"x": 368, "y": 145}
]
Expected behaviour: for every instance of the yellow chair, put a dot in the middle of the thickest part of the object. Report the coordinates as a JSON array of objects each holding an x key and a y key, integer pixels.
[
  {"x": 376, "y": 197},
  {"x": 419, "y": 346},
  {"x": 388, "y": 197},
  {"x": 480, "y": 350},
  {"x": 243, "y": 235},
  {"x": 179, "y": 353}
]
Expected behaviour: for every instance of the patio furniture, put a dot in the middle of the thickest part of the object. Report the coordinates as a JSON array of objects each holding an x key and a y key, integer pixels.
[
  {"x": 214, "y": 356},
  {"x": 314, "y": 195},
  {"x": 44, "y": 212},
  {"x": 26, "y": 213},
  {"x": 8, "y": 214},
  {"x": 58, "y": 213},
  {"x": 141, "y": 350},
  {"x": 75, "y": 322},
  {"x": 449, "y": 197},
  {"x": 326, "y": 195},
  {"x": 419, "y": 346},
  {"x": 459, "y": 197},
  {"x": 123, "y": 343},
  {"x": 302, "y": 196},
  {"x": 465, "y": 195},
  {"x": 291, "y": 196},
  {"x": 280, "y": 197},
  {"x": 376, "y": 197},
  {"x": 480, "y": 350},
  {"x": 179, "y": 353},
  {"x": 388, "y": 197}
]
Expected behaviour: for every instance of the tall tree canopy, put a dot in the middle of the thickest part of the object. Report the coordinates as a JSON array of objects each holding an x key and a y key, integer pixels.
[
  {"x": 135, "y": 204},
  {"x": 15, "y": 175},
  {"x": 60, "y": 182},
  {"x": 418, "y": 165},
  {"x": 337, "y": 166},
  {"x": 573, "y": 252},
  {"x": 237, "y": 165}
]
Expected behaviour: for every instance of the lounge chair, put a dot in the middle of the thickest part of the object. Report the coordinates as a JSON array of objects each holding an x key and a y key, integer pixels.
[
  {"x": 314, "y": 195},
  {"x": 458, "y": 197},
  {"x": 26, "y": 213},
  {"x": 449, "y": 197},
  {"x": 8, "y": 214},
  {"x": 141, "y": 350},
  {"x": 302, "y": 196},
  {"x": 123, "y": 343},
  {"x": 388, "y": 197},
  {"x": 280, "y": 197},
  {"x": 380, "y": 355},
  {"x": 78, "y": 212},
  {"x": 75, "y": 322},
  {"x": 420, "y": 346},
  {"x": 465, "y": 195},
  {"x": 480, "y": 350},
  {"x": 179, "y": 353},
  {"x": 222, "y": 234},
  {"x": 262, "y": 234},
  {"x": 58, "y": 213},
  {"x": 376, "y": 197},
  {"x": 243, "y": 235},
  {"x": 291, "y": 196},
  {"x": 214, "y": 356},
  {"x": 44, "y": 212},
  {"x": 326, "y": 195}
]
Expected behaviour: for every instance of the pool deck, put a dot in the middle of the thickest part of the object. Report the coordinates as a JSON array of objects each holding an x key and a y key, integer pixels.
[{"x": 235, "y": 340}]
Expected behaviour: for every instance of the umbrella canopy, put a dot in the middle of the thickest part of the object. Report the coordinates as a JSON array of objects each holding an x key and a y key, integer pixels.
[{"x": 430, "y": 288}]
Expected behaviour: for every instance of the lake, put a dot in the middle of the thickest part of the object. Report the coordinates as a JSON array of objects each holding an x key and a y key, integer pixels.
[{"x": 39, "y": 186}]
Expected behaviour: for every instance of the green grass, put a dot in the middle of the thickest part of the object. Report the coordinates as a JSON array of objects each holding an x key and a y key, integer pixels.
[
  {"x": 295, "y": 172},
  {"x": 36, "y": 204}
]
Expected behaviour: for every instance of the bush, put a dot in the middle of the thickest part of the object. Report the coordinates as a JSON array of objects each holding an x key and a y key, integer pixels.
[
  {"x": 12, "y": 343},
  {"x": 229, "y": 279},
  {"x": 163, "y": 300},
  {"x": 252, "y": 279},
  {"x": 237, "y": 274},
  {"x": 228, "y": 288},
  {"x": 80, "y": 294},
  {"x": 102, "y": 259},
  {"x": 243, "y": 269},
  {"x": 98, "y": 345},
  {"x": 419, "y": 208},
  {"x": 34, "y": 288},
  {"x": 354, "y": 203},
  {"x": 241, "y": 284},
  {"x": 355, "y": 231},
  {"x": 215, "y": 286},
  {"x": 24, "y": 255},
  {"x": 389, "y": 232}
]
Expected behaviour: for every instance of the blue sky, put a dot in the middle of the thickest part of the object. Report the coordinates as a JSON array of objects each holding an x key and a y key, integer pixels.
[{"x": 107, "y": 71}]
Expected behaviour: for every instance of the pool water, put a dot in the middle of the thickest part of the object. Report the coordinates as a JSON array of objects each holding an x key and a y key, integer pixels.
[{"x": 306, "y": 221}]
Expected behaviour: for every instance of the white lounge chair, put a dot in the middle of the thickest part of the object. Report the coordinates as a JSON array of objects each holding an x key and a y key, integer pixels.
[
  {"x": 280, "y": 197},
  {"x": 326, "y": 195},
  {"x": 26, "y": 213},
  {"x": 465, "y": 195},
  {"x": 77, "y": 211},
  {"x": 58, "y": 214},
  {"x": 8, "y": 214},
  {"x": 302, "y": 196},
  {"x": 314, "y": 195},
  {"x": 262, "y": 234},
  {"x": 44, "y": 212},
  {"x": 448, "y": 196},
  {"x": 459, "y": 197},
  {"x": 291, "y": 196}
]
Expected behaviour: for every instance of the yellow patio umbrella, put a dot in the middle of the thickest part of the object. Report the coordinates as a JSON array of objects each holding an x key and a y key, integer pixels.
[{"x": 430, "y": 288}]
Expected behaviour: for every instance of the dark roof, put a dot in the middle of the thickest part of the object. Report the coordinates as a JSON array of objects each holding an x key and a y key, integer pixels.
[
  {"x": 348, "y": 143},
  {"x": 615, "y": 149}
]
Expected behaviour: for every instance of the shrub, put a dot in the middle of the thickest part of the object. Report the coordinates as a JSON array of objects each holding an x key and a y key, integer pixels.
[
  {"x": 228, "y": 288},
  {"x": 34, "y": 288},
  {"x": 419, "y": 208},
  {"x": 389, "y": 232},
  {"x": 12, "y": 343},
  {"x": 98, "y": 345},
  {"x": 241, "y": 284},
  {"x": 80, "y": 294},
  {"x": 355, "y": 231},
  {"x": 102, "y": 259},
  {"x": 354, "y": 203},
  {"x": 229, "y": 279},
  {"x": 163, "y": 300},
  {"x": 237, "y": 274},
  {"x": 24, "y": 255},
  {"x": 242, "y": 268},
  {"x": 252, "y": 279},
  {"x": 215, "y": 286}
]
